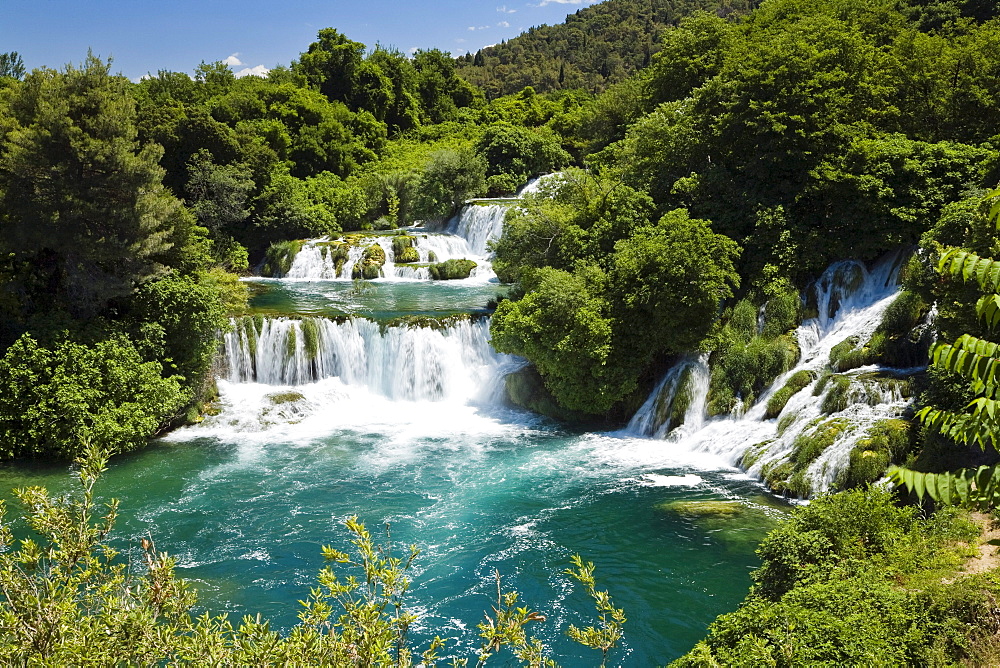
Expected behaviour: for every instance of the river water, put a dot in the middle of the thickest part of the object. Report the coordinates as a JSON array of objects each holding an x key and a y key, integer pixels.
[{"x": 407, "y": 426}]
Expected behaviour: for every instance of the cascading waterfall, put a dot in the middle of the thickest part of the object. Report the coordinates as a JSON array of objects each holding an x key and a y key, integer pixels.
[
  {"x": 840, "y": 408},
  {"x": 679, "y": 399},
  {"x": 399, "y": 362},
  {"x": 316, "y": 260},
  {"x": 479, "y": 223}
]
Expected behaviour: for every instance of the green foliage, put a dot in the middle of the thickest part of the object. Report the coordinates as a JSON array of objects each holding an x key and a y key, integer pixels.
[
  {"x": 741, "y": 371},
  {"x": 176, "y": 319},
  {"x": 67, "y": 594},
  {"x": 596, "y": 46},
  {"x": 81, "y": 202},
  {"x": 562, "y": 328},
  {"x": 851, "y": 579},
  {"x": 519, "y": 153},
  {"x": 801, "y": 179},
  {"x": 451, "y": 269},
  {"x": 279, "y": 258},
  {"x": 792, "y": 386},
  {"x": 633, "y": 289},
  {"x": 12, "y": 65},
  {"x": 56, "y": 398},
  {"x": 449, "y": 178}
]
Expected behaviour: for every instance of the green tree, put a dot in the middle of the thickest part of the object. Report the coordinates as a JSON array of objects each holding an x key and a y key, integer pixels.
[
  {"x": 450, "y": 177},
  {"x": 57, "y": 398},
  {"x": 12, "y": 65},
  {"x": 82, "y": 206},
  {"x": 331, "y": 63}
]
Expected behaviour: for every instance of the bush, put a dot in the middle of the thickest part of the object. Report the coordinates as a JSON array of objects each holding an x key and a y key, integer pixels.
[
  {"x": 279, "y": 258},
  {"x": 57, "y": 399},
  {"x": 851, "y": 579},
  {"x": 452, "y": 269},
  {"x": 70, "y": 600}
]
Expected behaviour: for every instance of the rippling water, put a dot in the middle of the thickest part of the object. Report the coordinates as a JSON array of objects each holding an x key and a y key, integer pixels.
[{"x": 246, "y": 499}]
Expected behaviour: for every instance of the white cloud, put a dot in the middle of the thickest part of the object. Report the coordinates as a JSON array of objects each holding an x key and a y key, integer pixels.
[
  {"x": 503, "y": 24},
  {"x": 258, "y": 71},
  {"x": 472, "y": 27},
  {"x": 413, "y": 49},
  {"x": 233, "y": 60},
  {"x": 460, "y": 40},
  {"x": 503, "y": 10}
]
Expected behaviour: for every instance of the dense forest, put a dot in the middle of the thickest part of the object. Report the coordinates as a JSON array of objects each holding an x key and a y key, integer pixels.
[
  {"x": 712, "y": 164},
  {"x": 596, "y": 47}
]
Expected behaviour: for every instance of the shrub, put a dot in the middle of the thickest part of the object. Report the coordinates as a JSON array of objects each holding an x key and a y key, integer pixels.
[
  {"x": 57, "y": 398},
  {"x": 279, "y": 258},
  {"x": 452, "y": 269}
]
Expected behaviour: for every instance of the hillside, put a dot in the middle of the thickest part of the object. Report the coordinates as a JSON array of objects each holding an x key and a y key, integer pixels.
[{"x": 597, "y": 46}]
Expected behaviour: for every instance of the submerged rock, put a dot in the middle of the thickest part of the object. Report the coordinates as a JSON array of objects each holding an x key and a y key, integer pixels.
[{"x": 704, "y": 508}]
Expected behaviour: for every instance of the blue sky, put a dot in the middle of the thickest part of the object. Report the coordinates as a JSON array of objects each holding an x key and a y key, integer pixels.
[{"x": 176, "y": 35}]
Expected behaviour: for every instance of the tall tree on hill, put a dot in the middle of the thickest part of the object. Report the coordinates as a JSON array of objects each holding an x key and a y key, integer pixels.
[{"x": 83, "y": 212}]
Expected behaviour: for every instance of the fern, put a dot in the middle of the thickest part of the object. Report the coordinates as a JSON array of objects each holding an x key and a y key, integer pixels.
[
  {"x": 971, "y": 488},
  {"x": 978, "y": 360}
]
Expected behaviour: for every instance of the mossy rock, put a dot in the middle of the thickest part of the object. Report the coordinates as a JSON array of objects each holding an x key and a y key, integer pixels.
[
  {"x": 431, "y": 322},
  {"x": 525, "y": 388},
  {"x": 285, "y": 397},
  {"x": 811, "y": 443},
  {"x": 337, "y": 252},
  {"x": 753, "y": 454},
  {"x": 279, "y": 258},
  {"x": 407, "y": 256},
  {"x": 370, "y": 265},
  {"x": 776, "y": 475},
  {"x": 452, "y": 269},
  {"x": 836, "y": 399},
  {"x": 674, "y": 400},
  {"x": 793, "y": 385},
  {"x": 404, "y": 250},
  {"x": 848, "y": 354},
  {"x": 706, "y": 508}
]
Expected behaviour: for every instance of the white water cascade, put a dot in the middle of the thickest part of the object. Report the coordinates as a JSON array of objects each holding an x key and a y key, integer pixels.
[
  {"x": 399, "y": 362},
  {"x": 479, "y": 223},
  {"x": 315, "y": 261},
  {"x": 850, "y": 302}
]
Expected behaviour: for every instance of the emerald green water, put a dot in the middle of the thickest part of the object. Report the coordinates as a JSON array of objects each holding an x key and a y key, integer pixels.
[
  {"x": 246, "y": 500},
  {"x": 379, "y": 300}
]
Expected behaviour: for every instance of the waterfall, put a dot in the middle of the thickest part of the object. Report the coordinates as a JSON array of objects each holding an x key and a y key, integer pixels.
[
  {"x": 481, "y": 220},
  {"x": 679, "y": 399},
  {"x": 318, "y": 261},
  {"x": 478, "y": 224},
  {"x": 398, "y": 362},
  {"x": 835, "y": 409}
]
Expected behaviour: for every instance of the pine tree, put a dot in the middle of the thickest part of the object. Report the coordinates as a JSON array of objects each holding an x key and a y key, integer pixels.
[{"x": 83, "y": 212}]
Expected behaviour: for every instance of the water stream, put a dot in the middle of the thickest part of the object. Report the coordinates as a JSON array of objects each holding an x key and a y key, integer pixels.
[{"x": 329, "y": 408}]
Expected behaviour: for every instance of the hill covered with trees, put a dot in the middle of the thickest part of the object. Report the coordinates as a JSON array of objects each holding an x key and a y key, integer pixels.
[{"x": 596, "y": 47}]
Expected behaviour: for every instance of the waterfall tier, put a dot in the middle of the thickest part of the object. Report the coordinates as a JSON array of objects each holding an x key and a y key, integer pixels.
[
  {"x": 323, "y": 259},
  {"x": 478, "y": 224},
  {"x": 398, "y": 362},
  {"x": 829, "y": 412}
]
